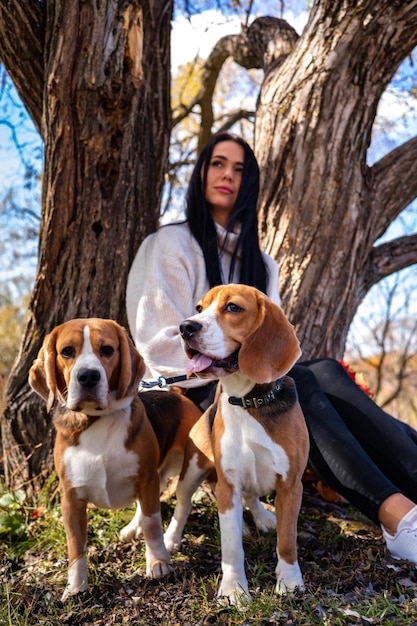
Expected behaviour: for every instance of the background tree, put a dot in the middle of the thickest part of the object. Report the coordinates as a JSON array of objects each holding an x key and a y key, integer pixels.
[
  {"x": 106, "y": 125},
  {"x": 322, "y": 206},
  {"x": 382, "y": 345},
  {"x": 95, "y": 80}
]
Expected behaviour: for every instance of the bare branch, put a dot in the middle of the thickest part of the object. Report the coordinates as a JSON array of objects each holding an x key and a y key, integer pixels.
[
  {"x": 264, "y": 44},
  {"x": 395, "y": 183},
  {"x": 22, "y": 24},
  {"x": 234, "y": 117},
  {"x": 390, "y": 257}
]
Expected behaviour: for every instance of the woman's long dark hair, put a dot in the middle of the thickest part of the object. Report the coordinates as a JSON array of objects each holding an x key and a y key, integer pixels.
[{"x": 253, "y": 270}]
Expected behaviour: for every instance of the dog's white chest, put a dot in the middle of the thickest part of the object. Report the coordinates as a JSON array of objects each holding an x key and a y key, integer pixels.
[
  {"x": 249, "y": 453},
  {"x": 99, "y": 467}
]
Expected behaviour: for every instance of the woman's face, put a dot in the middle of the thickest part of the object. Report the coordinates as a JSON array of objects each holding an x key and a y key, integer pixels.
[{"x": 224, "y": 176}]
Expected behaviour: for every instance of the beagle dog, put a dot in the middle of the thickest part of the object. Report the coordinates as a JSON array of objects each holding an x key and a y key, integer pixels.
[
  {"x": 254, "y": 437},
  {"x": 113, "y": 446}
]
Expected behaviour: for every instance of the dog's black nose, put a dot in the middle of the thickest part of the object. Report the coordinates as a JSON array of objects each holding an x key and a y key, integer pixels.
[
  {"x": 188, "y": 328},
  {"x": 88, "y": 378}
]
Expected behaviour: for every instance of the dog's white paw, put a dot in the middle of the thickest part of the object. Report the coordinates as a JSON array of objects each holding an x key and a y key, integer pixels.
[
  {"x": 289, "y": 577},
  {"x": 265, "y": 520},
  {"x": 130, "y": 533},
  {"x": 235, "y": 597},
  {"x": 77, "y": 578},
  {"x": 71, "y": 591},
  {"x": 234, "y": 592},
  {"x": 159, "y": 569},
  {"x": 134, "y": 529},
  {"x": 172, "y": 543}
]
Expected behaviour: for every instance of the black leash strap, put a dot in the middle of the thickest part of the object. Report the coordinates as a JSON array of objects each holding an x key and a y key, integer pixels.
[{"x": 163, "y": 382}]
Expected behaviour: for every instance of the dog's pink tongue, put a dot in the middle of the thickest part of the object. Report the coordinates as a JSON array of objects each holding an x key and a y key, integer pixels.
[{"x": 198, "y": 363}]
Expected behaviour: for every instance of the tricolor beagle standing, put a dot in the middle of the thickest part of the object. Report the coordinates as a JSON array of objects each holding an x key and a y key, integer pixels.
[
  {"x": 257, "y": 441},
  {"x": 109, "y": 449}
]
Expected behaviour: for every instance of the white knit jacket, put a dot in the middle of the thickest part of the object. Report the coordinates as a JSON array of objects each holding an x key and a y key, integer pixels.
[{"x": 166, "y": 280}]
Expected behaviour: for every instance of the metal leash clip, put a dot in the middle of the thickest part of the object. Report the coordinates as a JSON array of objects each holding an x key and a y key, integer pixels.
[{"x": 160, "y": 382}]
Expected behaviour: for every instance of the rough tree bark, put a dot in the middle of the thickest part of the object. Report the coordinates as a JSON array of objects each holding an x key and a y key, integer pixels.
[
  {"x": 322, "y": 206},
  {"x": 103, "y": 72}
]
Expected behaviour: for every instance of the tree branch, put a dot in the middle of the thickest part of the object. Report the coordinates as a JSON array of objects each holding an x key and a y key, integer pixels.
[
  {"x": 394, "y": 181},
  {"x": 390, "y": 257},
  {"x": 22, "y": 24},
  {"x": 204, "y": 98},
  {"x": 264, "y": 44},
  {"x": 236, "y": 116}
]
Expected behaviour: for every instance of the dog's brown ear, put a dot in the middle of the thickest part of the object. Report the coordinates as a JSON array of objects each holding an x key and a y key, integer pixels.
[
  {"x": 272, "y": 347},
  {"x": 132, "y": 366},
  {"x": 42, "y": 374}
]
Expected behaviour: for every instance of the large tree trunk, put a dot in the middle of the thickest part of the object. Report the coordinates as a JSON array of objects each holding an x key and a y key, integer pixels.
[
  {"x": 322, "y": 208},
  {"x": 106, "y": 120}
]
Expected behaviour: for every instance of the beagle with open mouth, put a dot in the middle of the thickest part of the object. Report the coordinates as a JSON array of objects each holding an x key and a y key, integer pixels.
[
  {"x": 255, "y": 436},
  {"x": 113, "y": 446}
]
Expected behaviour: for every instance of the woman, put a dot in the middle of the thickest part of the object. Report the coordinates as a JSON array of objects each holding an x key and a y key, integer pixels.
[{"x": 362, "y": 452}]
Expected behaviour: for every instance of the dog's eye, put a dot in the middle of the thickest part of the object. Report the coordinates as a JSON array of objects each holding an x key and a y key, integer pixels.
[
  {"x": 233, "y": 308},
  {"x": 68, "y": 352},
  {"x": 198, "y": 308},
  {"x": 106, "y": 351}
]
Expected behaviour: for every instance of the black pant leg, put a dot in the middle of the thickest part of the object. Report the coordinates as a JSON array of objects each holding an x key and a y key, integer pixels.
[
  {"x": 391, "y": 444},
  {"x": 335, "y": 453}
]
